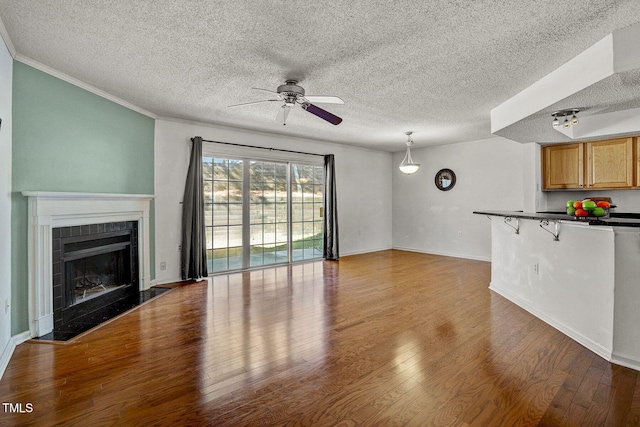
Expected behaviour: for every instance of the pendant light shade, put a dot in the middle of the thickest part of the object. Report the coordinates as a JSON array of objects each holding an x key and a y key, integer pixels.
[{"x": 408, "y": 166}]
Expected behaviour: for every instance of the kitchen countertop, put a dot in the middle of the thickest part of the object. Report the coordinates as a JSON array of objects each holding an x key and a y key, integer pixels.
[{"x": 616, "y": 219}]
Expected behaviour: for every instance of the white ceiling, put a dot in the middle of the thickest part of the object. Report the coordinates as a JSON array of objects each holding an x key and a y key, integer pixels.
[{"x": 433, "y": 67}]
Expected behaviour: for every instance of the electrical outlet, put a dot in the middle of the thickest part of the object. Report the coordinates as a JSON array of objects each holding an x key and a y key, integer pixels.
[
  {"x": 163, "y": 265},
  {"x": 6, "y": 306},
  {"x": 536, "y": 268},
  {"x": 179, "y": 248},
  {"x": 459, "y": 234}
]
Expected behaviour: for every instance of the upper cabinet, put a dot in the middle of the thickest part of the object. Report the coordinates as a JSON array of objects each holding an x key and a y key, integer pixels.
[
  {"x": 608, "y": 164},
  {"x": 563, "y": 166}
]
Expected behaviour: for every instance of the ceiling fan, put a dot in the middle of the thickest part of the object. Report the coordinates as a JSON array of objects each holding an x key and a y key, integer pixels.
[{"x": 291, "y": 94}]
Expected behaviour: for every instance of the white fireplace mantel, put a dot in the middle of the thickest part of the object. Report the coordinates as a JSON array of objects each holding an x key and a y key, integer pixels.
[{"x": 48, "y": 210}]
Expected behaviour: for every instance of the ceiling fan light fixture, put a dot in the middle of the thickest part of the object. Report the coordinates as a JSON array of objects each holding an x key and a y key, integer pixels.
[{"x": 408, "y": 166}]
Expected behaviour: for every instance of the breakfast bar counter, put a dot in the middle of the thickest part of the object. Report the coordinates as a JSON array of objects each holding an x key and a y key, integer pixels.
[
  {"x": 615, "y": 220},
  {"x": 580, "y": 276}
]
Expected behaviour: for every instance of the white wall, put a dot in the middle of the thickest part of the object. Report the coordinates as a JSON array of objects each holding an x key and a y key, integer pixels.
[
  {"x": 363, "y": 187},
  {"x": 626, "y": 334},
  {"x": 566, "y": 283},
  {"x": 6, "y": 73},
  {"x": 535, "y": 199},
  {"x": 489, "y": 177}
]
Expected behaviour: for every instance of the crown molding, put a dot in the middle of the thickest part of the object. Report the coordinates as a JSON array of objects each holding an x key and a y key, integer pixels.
[
  {"x": 65, "y": 77},
  {"x": 55, "y": 73},
  {"x": 7, "y": 40}
]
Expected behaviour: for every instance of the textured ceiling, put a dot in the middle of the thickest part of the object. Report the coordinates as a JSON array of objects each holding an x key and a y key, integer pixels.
[
  {"x": 617, "y": 93},
  {"x": 434, "y": 67}
]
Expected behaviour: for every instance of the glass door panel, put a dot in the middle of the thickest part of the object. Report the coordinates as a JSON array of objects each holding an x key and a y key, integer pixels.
[
  {"x": 306, "y": 211},
  {"x": 260, "y": 213},
  {"x": 223, "y": 180},
  {"x": 268, "y": 213}
]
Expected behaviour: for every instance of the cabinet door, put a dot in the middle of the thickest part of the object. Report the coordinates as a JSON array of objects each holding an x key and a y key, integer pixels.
[
  {"x": 610, "y": 163},
  {"x": 563, "y": 166},
  {"x": 637, "y": 160}
]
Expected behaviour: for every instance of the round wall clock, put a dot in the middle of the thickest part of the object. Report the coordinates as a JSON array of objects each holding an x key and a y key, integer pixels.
[{"x": 445, "y": 179}]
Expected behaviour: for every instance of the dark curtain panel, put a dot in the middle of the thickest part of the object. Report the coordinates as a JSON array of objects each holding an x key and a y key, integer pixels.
[
  {"x": 194, "y": 244},
  {"x": 330, "y": 210}
]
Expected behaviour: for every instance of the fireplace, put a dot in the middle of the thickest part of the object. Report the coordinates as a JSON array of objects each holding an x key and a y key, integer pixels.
[
  {"x": 76, "y": 216},
  {"x": 94, "y": 266}
]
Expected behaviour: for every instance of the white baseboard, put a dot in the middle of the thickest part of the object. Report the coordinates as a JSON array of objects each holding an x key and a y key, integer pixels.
[
  {"x": 21, "y": 337},
  {"x": 7, "y": 352},
  {"x": 597, "y": 348},
  {"x": 165, "y": 281},
  {"x": 449, "y": 254},
  {"x": 367, "y": 251},
  {"x": 9, "y": 348},
  {"x": 626, "y": 361}
]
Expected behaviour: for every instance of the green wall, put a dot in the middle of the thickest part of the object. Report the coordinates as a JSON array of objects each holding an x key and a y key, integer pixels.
[{"x": 68, "y": 139}]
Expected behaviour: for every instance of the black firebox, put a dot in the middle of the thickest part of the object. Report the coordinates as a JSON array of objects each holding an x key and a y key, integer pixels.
[{"x": 94, "y": 266}]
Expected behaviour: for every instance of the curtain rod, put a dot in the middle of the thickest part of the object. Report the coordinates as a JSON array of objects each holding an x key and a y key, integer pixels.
[{"x": 262, "y": 148}]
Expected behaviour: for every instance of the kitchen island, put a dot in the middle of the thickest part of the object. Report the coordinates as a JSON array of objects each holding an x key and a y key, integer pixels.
[{"x": 580, "y": 276}]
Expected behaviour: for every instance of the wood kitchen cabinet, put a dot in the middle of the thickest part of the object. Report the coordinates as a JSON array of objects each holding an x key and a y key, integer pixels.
[
  {"x": 563, "y": 166},
  {"x": 606, "y": 165},
  {"x": 610, "y": 163},
  {"x": 636, "y": 182}
]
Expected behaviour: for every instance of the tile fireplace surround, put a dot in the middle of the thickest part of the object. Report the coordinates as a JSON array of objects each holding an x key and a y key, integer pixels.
[{"x": 48, "y": 210}]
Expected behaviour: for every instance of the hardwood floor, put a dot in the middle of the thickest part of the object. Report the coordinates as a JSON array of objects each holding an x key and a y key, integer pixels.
[{"x": 387, "y": 338}]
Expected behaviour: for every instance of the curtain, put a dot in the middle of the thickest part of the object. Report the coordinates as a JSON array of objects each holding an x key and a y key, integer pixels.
[
  {"x": 194, "y": 246},
  {"x": 331, "y": 210}
]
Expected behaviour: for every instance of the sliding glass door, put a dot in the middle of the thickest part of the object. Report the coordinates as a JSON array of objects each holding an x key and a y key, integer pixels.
[{"x": 261, "y": 212}]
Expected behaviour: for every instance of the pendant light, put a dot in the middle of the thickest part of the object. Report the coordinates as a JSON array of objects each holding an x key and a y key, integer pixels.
[{"x": 408, "y": 166}]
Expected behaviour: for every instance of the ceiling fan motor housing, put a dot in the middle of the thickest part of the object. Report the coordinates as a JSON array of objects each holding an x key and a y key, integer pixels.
[
  {"x": 290, "y": 88},
  {"x": 290, "y": 91}
]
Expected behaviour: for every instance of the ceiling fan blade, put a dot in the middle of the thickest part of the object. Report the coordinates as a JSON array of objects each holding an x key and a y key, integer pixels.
[
  {"x": 251, "y": 103},
  {"x": 323, "y": 114},
  {"x": 324, "y": 99},
  {"x": 267, "y": 90},
  {"x": 283, "y": 113}
]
